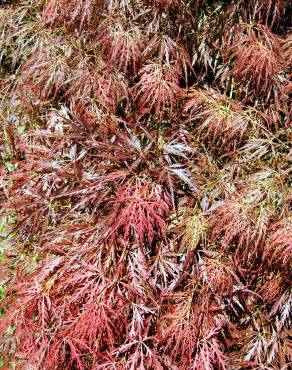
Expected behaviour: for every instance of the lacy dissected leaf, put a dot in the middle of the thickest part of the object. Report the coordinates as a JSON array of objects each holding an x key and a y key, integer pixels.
[{"x": 145, "y": 203}]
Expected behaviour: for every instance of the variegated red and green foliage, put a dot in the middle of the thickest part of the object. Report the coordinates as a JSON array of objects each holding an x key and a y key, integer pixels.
[{"x": 145, "y": 203}]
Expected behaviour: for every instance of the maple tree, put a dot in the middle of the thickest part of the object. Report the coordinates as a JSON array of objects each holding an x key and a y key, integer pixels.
[{"x": 145, "y": 215}]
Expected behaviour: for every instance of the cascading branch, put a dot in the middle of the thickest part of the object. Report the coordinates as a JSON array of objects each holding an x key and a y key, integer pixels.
[{"x": 144, "y": 174}]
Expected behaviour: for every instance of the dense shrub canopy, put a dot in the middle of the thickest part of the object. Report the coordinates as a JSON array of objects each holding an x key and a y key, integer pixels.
[{"x": 144, "y": 176}]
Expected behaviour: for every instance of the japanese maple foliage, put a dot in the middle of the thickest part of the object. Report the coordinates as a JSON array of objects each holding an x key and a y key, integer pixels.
[{"x": 144, "y": 173}]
